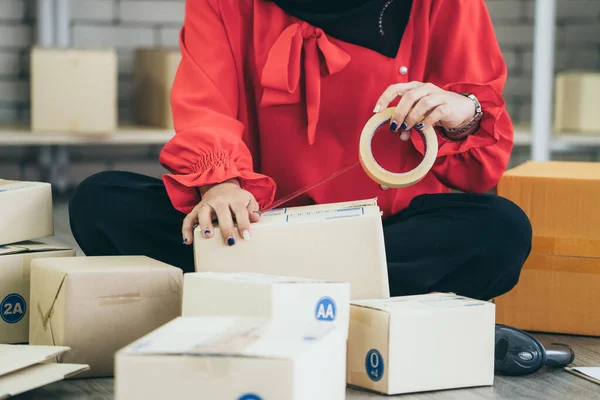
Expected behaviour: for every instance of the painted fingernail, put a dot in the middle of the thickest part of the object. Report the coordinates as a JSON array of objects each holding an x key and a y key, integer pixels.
[
  {"x": 185, "y": 240},
  {"x": 394, "y": 126},
  {"x": 230, "y": 241},
  {"x": 206, "y": 232},
  {"x": 377, "y": 108},
  {"x": 403, "y": 126},
  {"x": 420, "y": 125},
  {"x": 246, "y": 235}
]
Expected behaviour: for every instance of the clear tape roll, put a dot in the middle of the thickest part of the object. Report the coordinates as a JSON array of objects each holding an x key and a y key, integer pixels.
[{"x": 381, "y": 175}]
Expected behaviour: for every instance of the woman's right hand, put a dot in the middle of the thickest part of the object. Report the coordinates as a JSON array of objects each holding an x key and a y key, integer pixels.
[{"x": 224, "y": 202}]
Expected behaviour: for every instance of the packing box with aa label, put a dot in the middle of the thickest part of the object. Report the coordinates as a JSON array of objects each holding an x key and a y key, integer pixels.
[
  {"x": 257, "y": 295},
  {"x": 15, "y": 262},
  {"x": 24, "y": 368},
  {"x": 336, "y": 242},
  {"x": 245, "y": 358},
  {"x": 25, "y": 211},
  {"x": 421, "y": 343},
  {"x": 97, "y": 305},
  {"x": 557, "y": 290}
]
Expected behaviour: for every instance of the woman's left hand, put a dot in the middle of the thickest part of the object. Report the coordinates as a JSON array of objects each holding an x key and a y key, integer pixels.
[{"x": 423, "y": 105}]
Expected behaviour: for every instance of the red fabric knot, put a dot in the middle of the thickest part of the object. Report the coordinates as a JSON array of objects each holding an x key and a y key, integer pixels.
[{"x": 300, "y": 43}]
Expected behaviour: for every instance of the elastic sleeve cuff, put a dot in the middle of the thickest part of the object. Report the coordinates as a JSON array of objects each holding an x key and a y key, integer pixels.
[
  {"x": 492, "y": 105},
  {"x": 182, "y": 188}
]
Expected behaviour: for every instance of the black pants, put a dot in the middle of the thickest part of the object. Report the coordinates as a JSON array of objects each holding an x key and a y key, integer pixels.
[{"x": 470, "y": 244}]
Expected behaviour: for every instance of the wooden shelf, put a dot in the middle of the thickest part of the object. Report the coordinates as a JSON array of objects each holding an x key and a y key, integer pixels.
[
  {"x": 125, "y": 135},
  {"x": 560, "y": 141}
]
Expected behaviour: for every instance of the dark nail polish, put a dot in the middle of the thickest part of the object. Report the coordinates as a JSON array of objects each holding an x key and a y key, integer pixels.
[
  {"x": 394, "y": 126},
  {"x": 419, "y": 126},
  {"x": 230, "y": 241},
  {"x": 403, "y": 126},
  {"x": 185, "y": 240},
  {"x": 206, "y": 232}
]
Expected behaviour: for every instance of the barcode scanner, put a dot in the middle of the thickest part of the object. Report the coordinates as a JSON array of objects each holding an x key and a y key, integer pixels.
[{"x": 518, "y": 353}]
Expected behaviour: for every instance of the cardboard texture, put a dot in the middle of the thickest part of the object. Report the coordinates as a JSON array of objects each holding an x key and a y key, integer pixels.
[
  {"x": 15, "y": 263},
  {"x": 97, "y": 305},
  {"x": 336, "y": 242},
  {"x": 575, "y": 106},
  {"x": 153, "y": 75},
  {"x": 450, "y": 344},
  {"x": 234, "y": 358},
  {"x": 23, "y": 368},
  {"x": 275, "y": 297},
  {"x": 73, "y": 90},
  {"x": 25, "y": 211},
  {"x": 557, "y": 290}
]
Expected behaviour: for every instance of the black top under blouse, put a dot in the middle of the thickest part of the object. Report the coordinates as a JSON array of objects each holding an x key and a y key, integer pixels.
[{"x": 375, "y": 24}]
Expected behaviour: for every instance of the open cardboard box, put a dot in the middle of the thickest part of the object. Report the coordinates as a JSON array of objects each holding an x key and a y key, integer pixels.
[{"x": 24, "y": 368}]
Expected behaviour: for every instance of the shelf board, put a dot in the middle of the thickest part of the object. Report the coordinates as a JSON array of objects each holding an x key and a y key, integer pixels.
[
  {"x": 560, "y": 141},
  {"x": 124, "y": 135}
]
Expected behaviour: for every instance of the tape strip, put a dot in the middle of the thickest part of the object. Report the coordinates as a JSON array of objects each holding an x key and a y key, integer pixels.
[
  {"x": 387, "y": 178},
  {"x": 371, "y": 167}
]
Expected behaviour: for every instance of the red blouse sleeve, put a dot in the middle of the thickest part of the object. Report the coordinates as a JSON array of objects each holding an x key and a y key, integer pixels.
[
  {"x": 208, "y": 146},
  {"x": 465, "y": 57}
]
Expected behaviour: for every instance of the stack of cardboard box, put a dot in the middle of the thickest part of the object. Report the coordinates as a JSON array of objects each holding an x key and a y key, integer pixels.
[
  {"x": 558, "y": 287},
  {"x": 25, "y": 215},
  {"x": 75, "y": 91},
  {"x": 302, "y": 310}
]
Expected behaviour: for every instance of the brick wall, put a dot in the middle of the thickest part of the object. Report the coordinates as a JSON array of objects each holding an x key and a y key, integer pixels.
[{"x": 126, "y": 24}]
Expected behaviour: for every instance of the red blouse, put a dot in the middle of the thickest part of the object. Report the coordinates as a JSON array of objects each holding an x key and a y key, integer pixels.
[{"x": 273, "y": 101}]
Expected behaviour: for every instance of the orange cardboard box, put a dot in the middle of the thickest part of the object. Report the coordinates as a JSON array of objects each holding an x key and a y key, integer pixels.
[{"x": 558, "y": 289}]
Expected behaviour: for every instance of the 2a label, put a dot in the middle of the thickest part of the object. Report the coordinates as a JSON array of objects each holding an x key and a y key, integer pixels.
[
  {"x": 326, "y": 309},
  {"x": 250, "y": 396},
  {"x": 13, "y": 308},
  {"x": 374, "y": 365}
]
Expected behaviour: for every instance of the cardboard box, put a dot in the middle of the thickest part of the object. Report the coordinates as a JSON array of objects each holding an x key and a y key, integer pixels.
[
  {"x": 421, "y": 343},
  {"x": 73, "y": 90},
  {"x": 234, "y": 358},
  {"x": 24, "y": 368},
  {"x": 561, "y": 200},
  {"x": 25, "y": 211},
  {"x": 15, "y": 263},
  {"x": 340, "y": 242},
  {"x": 153, "y": 75},
  {"x": 576, "y": 105},
  {"x": 276, "y": 297},
  {"x": 97, "y": 305},
  {"x": 557, "y": 290}
]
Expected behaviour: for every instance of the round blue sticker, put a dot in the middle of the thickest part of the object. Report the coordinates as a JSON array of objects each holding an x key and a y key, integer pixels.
[
  {"x": 374, "y": 365},
  {"x": 13, "y": 308},
  {"x": 250, "y": 396},
  {"x": 325, "y": 310}
]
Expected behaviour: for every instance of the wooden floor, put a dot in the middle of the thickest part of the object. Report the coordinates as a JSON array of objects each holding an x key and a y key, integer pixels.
[{"x": 546, "y": 384}]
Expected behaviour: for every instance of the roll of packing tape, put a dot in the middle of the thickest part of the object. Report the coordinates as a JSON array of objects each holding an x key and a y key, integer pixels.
[{"x": 387, "y": 178}]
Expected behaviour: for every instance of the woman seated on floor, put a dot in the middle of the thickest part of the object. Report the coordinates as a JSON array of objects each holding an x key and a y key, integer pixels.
[{"x": 272, "y": 95}]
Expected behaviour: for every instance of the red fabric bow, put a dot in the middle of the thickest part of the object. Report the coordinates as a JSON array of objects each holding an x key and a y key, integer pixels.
[{"x": 281, "y": 74}]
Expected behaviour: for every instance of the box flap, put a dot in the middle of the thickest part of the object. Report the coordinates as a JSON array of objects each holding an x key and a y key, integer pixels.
[
  {"x": 557, "y": 170},
  {"x": 256, "y": 278},
  {"x": 30, "y": 247},
  {"x": 320, "y": 212},
  {"x": 419, "y": 303},
  {"x": 231, "y": 336},
  {"x": 16, "y": 357},
  {"x": 6, "y": 185},
  {"x": 36, "y": 376}
]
